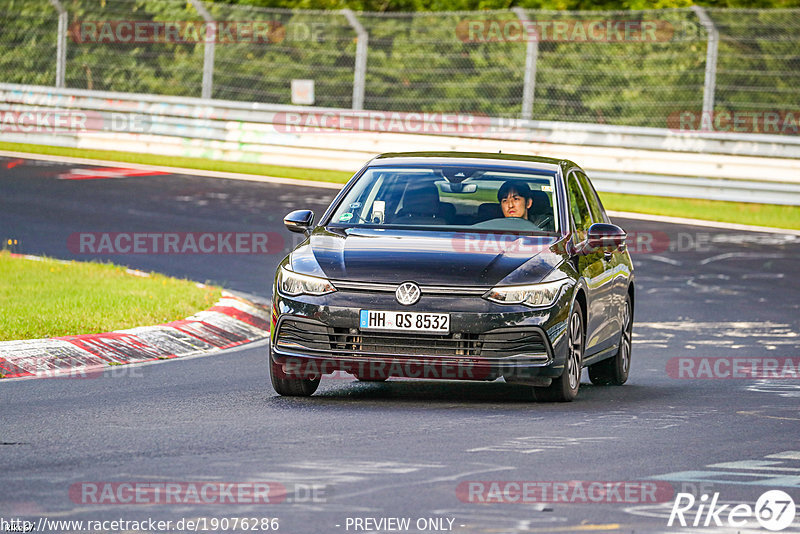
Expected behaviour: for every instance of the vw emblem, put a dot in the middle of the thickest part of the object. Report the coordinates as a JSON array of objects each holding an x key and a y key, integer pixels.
[{"x": 407, "y": 293}]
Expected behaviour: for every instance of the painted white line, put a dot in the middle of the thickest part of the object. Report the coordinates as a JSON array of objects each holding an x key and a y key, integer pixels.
[
  {"x": 741, "y": 255},
  {"x": 663, "y": 259},
  {"x": 177, "y": 170},
  {"x": 788, "y": 455},
  {"x": 754, "y": 465},
  {"x": 701, "y": 222},
  {"x": 445, "y": 478},
  {"x": 695, "y": 325},
  {"x": 39, "y": 258}
]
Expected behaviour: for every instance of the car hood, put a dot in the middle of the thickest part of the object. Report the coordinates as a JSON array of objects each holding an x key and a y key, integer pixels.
[{"x": 426, "y": 257}]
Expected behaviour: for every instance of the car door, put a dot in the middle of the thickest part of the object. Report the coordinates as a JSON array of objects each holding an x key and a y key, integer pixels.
[
  {"x": 620, "y": 262},
  {"x": 595, "y": 270}
]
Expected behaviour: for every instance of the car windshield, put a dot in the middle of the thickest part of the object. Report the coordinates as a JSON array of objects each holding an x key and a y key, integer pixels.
[{"x": 451, "y": 197}]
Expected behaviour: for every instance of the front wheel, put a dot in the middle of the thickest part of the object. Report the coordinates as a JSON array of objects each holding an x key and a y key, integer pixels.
[
  {"x": 614, "y": 371},
  {"x": 565, "y": 387},
  {"x": 289, "y": 386}
]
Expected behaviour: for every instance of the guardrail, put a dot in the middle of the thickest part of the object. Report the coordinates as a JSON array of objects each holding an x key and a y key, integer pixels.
[{"x": 712, "y": 165}]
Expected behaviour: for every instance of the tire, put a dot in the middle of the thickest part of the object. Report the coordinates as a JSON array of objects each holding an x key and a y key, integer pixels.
[
  {"x": 290, "y": 387},
  {"x": 565, "y": 387},
  {"x": 614, "y": 371}
]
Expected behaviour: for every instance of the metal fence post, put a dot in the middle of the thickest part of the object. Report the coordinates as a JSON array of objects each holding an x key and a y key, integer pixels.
[
  {"x": 531, "y": 57},
  {"x": 209, "y": 48},
  {"x": 360, "y": 74},
  {"x": 709, "y": 87},
  {"x": 61, "y": 46}
]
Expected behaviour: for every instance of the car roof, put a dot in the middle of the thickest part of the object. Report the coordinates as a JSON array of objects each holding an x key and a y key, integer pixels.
[{"x": 470, "y": 158}]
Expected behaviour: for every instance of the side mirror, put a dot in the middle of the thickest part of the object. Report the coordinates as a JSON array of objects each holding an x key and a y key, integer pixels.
[
  {"x": 299, "y": 221},
  {"x": 605, "y": 236}
]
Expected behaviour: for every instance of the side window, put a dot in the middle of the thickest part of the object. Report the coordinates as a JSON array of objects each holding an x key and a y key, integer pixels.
[
  {"x": 578, "y": 208},
  {"x": 591, "y": 197}
]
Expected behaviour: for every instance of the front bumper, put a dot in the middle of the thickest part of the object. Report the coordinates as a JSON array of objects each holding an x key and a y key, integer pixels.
[{"x": 312, "y": 336}]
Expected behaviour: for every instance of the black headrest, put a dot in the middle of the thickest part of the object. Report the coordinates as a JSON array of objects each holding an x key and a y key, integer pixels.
[
  {"x": 541, "y": 201},
  {"x": 421, "y": 199}
]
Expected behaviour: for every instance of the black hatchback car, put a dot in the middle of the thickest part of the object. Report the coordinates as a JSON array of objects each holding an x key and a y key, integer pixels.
[{"x": 466, "y": 266}]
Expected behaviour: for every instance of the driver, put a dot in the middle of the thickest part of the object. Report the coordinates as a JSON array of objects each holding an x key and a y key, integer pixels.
[{"x": 515, "y": 199}]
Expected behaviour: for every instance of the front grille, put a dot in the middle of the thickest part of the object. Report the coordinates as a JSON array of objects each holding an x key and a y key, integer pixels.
[
  {"x": 398, "y": 343},
  {"x": 309, "y": 337}
]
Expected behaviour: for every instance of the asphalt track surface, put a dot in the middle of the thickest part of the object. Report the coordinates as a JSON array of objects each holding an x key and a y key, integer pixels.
[{"x": 400, "y": 449}]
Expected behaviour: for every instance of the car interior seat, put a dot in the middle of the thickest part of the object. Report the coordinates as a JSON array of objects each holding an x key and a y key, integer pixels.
[
  {"x": 541, "y": 212},
  {"x": 421, "y": 205}
]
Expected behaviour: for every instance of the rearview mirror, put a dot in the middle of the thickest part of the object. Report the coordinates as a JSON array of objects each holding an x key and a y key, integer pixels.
[
  {"x": 299, "y": 221},
  {"x": 451, "y": 187}
]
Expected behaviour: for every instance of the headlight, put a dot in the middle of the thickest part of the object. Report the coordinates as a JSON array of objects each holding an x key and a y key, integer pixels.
[
  {"x": 537, "y": 295},
  {"x": 293, "y": 284}
]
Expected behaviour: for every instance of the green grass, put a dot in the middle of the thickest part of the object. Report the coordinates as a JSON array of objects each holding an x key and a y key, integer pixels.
[
  {"x": 712, "y": 210},
  {"x": 737, "y": 212},
  {"x": 48, "y": 298}
]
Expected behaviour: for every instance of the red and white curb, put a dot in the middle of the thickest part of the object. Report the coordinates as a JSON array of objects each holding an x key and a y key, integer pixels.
[
  {"x": 104, "y": 174},
  {"x": 232, "y": 321}
]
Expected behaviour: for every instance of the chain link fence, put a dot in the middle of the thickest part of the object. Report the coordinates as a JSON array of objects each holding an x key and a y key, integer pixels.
[{"x": 638, "y": 68}]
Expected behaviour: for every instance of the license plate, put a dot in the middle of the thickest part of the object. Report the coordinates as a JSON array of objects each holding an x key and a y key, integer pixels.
[{"x": 432, "y": 323}]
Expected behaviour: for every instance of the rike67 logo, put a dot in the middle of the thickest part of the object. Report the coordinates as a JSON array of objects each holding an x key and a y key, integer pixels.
[{"x": 774, "y": 510}]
